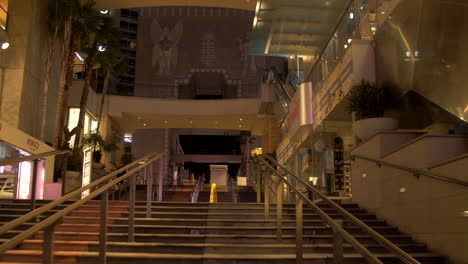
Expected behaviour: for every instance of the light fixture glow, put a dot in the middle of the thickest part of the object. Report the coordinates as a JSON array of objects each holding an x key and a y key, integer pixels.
[
  {"x": 383, "y": 12},
  {"x": 345, "y": 46},
  {"x": 240, "y": 119},
  {"x": 165, "y": 121},
  {"x": 101, "y": 48},
  {"x": 5, "y": 45},
  {"x": 144, "y": 124},
  {"x": 350, "y": 40},
  {"x": 104, "y": 12},
  {"x": 373, "y": 28},
  {"x": 351, "y": 15},
  {"x": 364, "y": 175},
  {"x": 402, "y": 189},
  {"x": 78, "y": 56}
]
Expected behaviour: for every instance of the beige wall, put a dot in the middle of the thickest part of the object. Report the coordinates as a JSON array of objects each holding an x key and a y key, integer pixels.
[{"x": 429, "y": 210}]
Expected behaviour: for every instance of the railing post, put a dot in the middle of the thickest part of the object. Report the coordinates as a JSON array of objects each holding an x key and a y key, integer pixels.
[
  {"x": 103, "y": 227},
  {"x": 149, "y": 190},
  {"x": 266, "y": 194},
  {"x": 279, "y": 210},
  {"x": 299, "y": 231},
  {"x": 259, "y": 184},
  {"x": 48, "y": 244},
  {"x": 131, "y": 209},
  {"x": 160, "y": 180},
  {"x": 337, "y": 246},
  {"x": 34, "y": 183}
]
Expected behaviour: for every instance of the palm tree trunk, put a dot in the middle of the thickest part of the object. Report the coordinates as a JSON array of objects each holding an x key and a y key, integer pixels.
[
  {"x": 66, "y": 51},
  {"x": 85, "y": 92},
  {"x": 104, "y": 92},
  {"x": 66, "y": 91},
  {"x": 45, "y": 91}
]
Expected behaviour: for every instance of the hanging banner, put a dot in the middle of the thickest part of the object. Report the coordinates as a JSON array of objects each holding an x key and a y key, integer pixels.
[{"x": 87, "y": 162}]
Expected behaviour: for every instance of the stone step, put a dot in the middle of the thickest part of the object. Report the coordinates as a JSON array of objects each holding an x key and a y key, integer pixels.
[
  {"x": 199, "y": 248},
  {"x": 206, "y": 222},
  {"x": 144, "y": 258},
  {"x": 203, "y": 238}
]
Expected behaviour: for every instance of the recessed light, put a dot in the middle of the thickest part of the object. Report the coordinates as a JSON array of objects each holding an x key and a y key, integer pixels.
[
  {"x": 144, "y": 124},
  {"x": 104, "y": 12},
  {"x": 165, "y": 121},
  {"x": 241, "y": 119},
  {"x": 5, "y": 45},
  {"x": 240, "y": 125}
]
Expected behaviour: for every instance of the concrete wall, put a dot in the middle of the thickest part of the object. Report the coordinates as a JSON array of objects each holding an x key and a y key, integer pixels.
[
  {"x": 22, "y": 66},
  {"x": 428, "y": 209}
]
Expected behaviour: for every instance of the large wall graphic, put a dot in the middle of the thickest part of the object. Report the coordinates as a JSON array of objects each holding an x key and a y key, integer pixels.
[{"x": 197, "y": 52}]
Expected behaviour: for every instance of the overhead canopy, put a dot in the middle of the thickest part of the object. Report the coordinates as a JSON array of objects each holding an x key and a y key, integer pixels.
[{"x": 299, "y": 27}]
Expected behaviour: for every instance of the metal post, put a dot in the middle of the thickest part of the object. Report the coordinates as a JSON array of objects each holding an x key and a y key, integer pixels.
[
  {"x": 299, "y": 231},
  {"x": 266, "y": 194},
  {"x": 259, "y": 184},
  {"x": 64, "y": 172},
  {"x": 160, "y": 180},
  {"x": 131, "y": 210},
  {"x": 48, "y": 244},
  {"x": 34, "y": 183},
  {"x": 149, "y": 190},
  {"x": 103, "y": 227},
  {"x": 279, "y": 210},
  {"x": 337, "y": 246}
]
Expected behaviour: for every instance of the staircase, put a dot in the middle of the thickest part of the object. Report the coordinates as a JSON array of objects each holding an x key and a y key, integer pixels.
[{"x": 200, "y": 233}]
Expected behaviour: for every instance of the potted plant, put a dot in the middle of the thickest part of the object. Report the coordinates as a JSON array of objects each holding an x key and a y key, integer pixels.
[
  {"x": 98, "y": 144},
  {"x": 367, "y": 102}
]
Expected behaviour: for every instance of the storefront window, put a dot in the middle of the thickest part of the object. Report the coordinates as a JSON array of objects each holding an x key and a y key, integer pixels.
[{"x": 16, "y": 179}]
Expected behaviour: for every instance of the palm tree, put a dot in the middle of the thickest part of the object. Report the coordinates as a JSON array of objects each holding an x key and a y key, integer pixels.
[
  {"x": 60, "y": 12},
  {"x": 83, "y": 20},
  {"x": 106, "y": 36},
  {"x": 113, "y": 65}
]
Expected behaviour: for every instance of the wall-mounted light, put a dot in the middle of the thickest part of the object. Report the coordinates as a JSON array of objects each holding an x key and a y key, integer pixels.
[{"x": 4, "y": 39}]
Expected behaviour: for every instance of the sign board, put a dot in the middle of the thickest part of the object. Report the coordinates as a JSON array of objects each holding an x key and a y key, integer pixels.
[
  {"x": 300, "y": 109},
  {"x": 87, "y": 165}
]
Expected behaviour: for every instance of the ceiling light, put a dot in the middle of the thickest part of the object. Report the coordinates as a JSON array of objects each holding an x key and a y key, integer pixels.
[
  {"x": 144, "y": 124},
  {"x": 350, "y": 40},
  {"x": 240, "y": 125},
  {"x": 101, "y": 48},
  {"x": 165, "y": 121},
  {"x": 104, "y": 12},
  {"x": 383, "y": 12},
  {"x": 139, "y": 117},
  {"x": 402, "y": 189},
  {"x": 291, "y": 56},
  {"x": 240, "y": 119},
  {"x": 351, "y": 15},
  {"x": 5, "y": 45},
  {"x": 345, "y": 46}
]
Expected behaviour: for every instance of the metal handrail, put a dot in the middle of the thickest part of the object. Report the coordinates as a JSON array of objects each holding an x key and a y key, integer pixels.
[
  {"x": 4, "y": 162},
  {"x": 416, "y": 172},
  {"x": 49, "y": 223},
  {"x": 198, "y": 186},
  {"x": 402, "y": 255}
]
